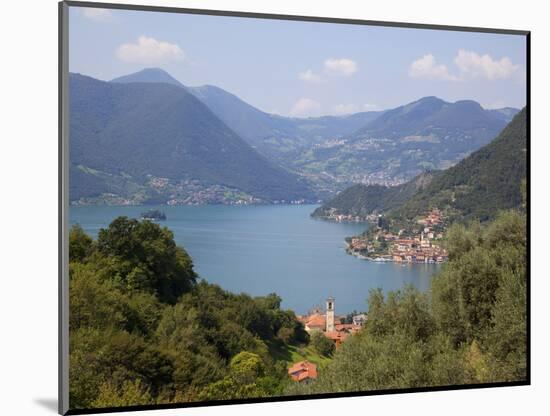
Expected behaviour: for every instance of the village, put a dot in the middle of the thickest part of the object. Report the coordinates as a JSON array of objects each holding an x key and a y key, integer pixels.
[
  {"x": 332, "y": 327},
  {"x": 333, "y": 215},
  {"x": 406, "y": 246}
]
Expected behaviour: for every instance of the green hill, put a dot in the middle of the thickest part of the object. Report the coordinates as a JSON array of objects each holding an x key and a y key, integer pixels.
[
  {"x": 279, "y": 138},
  {"x": 479, "y": 186},
  {"x": 145, "y": 330},
  {"x": 135, "y": 132},
  {"x": 361, "y": 200}
]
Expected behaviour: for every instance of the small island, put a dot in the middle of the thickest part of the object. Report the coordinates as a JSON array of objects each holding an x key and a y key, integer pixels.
[{"x": 153, "y": 215}]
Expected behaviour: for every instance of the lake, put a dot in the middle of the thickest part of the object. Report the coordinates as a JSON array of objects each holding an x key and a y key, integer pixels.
[{"x": 272, "y": 248}]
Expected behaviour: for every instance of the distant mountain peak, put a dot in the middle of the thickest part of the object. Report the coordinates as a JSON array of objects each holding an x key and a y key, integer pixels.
[
  {"x": 156, "y": 75},
  {"x": 428, "y": 104},
  {"x": 430, "y": 98}
]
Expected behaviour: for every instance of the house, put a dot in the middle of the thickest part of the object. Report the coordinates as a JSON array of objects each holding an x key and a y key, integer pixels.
[
  {"x": 329, "y": 323},
  {"x": 303, "y": 372},
  {"x": 315, "y": 321},
  {"x": 359, "y": 320},
  {"x": 337, "y": 336}
]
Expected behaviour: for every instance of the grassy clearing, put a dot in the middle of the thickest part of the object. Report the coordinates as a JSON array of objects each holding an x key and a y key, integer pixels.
[{"x": 294, "y": 353}]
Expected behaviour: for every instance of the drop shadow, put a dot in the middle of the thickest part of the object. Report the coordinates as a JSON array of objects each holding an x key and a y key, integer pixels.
[{"x": 49, "y": 404}]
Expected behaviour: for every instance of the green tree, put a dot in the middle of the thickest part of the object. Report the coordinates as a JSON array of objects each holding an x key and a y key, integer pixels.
[
  {"x": 322, "y": 344},
  {"x": 243, "y": 381},
  {"x": 146, "y": 258},
  {"x": 470, "y": 328},
  {"x": 80, "y": 244},
  {"x": 131, "y": 393}
]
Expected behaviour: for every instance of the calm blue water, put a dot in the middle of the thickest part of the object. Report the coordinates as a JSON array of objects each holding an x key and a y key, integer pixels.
[{"x": 264, "y": 249}]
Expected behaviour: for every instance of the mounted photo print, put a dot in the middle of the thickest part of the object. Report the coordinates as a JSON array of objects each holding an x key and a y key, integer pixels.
[{"x": 265, "y": 208}]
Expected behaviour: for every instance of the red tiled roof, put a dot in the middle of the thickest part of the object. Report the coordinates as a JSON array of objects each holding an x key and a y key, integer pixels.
[
  {"x": 302, "y": 370},
  {"x": 316, "y": 320}
]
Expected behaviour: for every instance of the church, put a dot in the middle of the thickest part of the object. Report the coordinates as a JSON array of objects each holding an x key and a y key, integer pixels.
[{"x": 330, "y": 324}]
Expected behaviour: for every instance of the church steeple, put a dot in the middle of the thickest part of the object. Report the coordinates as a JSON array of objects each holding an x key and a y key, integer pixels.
[{"x": 330, "y": 315}]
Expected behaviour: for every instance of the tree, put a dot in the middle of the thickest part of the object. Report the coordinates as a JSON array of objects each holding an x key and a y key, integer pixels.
[
  {"x": 132, "y": 343},
  {"x": 131, "y": 393},
  {"x": 322, "y": 344},
  {"x": 146, "y": 258},
  {"x": 471, "y": 328},
  {"x": 246, "y": 367},
  {"x": 245, "y": 371},
  {"x": 80, "y": 244}
]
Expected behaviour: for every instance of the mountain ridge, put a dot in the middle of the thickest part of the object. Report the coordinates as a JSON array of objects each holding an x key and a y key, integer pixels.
[
  {"x": 477, "y": 187},
  {"x": 158, "y": 130}
]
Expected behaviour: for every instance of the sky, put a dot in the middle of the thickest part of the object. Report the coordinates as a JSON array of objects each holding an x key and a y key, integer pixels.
[{"x": 302, "y": 69}]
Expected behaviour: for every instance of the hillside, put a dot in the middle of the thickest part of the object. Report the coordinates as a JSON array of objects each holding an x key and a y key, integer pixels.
[
  {"x": 428, "y": 134},
  {"x": 487, "y": 181},
  {"x": 470, "y": 327},
  {"x": 166, "y": 336},
  {"x": 332, "y": 152},
  {"x": 477, "y": 187},
  {"x": 276, "y": 137},
  {"x": 160, "y": 137},
  {"x": 362, "y": 200}
]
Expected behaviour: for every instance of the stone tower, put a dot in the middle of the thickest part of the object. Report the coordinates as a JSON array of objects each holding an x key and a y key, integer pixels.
[{"x": 330, "y": 315}]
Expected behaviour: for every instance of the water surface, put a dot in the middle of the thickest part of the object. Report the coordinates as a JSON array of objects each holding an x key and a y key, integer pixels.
[{"x": 274, "y": 248}]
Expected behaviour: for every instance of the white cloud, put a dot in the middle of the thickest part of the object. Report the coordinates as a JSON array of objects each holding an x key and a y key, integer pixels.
[
  {"x": 345, "y": 109},
  {"x": 98, "y": 15},
  {"x": 342, "y": 66},
  {"x": 309, "y": 76},
  {"x": 427, "y": 67},
  {"x": 471, "y": 64},
  {"x": 149, "y": 51},
  {"x": 468, "y": 64},
  {"x": 370, "y": 107},
  {"x": 305, "y": 107}
]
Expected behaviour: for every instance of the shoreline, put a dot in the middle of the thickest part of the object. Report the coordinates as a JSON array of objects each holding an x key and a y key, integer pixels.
[{"x": 386, "y": 259}]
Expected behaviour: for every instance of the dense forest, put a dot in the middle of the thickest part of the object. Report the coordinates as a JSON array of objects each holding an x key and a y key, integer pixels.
[
  {"x": 144, "y": 329},
  {"x": 469, "y": 328}
]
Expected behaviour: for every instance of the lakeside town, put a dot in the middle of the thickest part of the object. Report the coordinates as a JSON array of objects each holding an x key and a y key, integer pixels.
[
  {"x": 405, "y": 246},
  {"x": 166, "y": 191}
]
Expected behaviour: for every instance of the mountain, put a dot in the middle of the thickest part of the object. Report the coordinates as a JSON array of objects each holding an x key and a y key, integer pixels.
[
  {"x": 362, "y": 200},
  {"x": 485, "y": 182},
  {"x": 276, "y": 137},
  {"x": 159, "y": 140},
  {"x": 477, "y": 187},
  {"x": 428, "y": 134},
  {"x": 149, "y": 75},
  {"x": 384, "y": 147},
  {"x": 505, "y": 113}
]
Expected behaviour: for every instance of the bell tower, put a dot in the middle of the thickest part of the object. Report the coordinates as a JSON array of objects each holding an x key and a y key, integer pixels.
[{"x": 330, "y": 315}]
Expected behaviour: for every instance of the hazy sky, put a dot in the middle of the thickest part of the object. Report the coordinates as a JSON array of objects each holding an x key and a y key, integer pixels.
[{"x": 302, "y": 68}]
